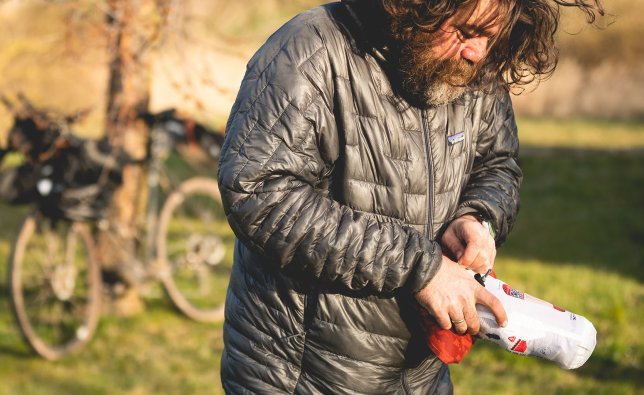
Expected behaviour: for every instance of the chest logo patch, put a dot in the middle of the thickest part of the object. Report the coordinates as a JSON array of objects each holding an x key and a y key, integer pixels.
[{"x": 456, "y": 138}]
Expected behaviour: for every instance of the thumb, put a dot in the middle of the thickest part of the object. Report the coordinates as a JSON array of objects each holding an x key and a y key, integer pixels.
[
  {"x": 453, "y": 245},
  {"x": 484, "y": 297}
]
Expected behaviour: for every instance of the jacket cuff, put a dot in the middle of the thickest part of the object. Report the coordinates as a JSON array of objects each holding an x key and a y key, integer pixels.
[{"x": 426, "y": 270}]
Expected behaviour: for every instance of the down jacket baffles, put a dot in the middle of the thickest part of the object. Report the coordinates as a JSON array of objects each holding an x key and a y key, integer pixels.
[{"x": 336, "y": 188}]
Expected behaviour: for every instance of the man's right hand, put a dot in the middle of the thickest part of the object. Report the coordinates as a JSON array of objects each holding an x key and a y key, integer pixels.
[{"x": 451, "y": 297}]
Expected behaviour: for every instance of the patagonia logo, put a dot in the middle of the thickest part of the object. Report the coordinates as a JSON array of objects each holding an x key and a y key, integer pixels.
[{"x": 456, "y": 138}]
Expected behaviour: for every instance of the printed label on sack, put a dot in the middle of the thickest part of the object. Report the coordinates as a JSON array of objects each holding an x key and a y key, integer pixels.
[
  {"x": 513, "y": 292},
  {"x": 520, "y": 346},
  {"x": 493, "y": 336}
]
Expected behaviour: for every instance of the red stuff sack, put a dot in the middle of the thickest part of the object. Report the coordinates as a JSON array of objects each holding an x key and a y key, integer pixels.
[{"x": 449, "y": 347}]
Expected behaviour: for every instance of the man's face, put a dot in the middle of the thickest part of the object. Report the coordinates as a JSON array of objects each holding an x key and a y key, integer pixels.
[
  {"x": 465, "y": 35},
  {"x": 439, "y": 65}
]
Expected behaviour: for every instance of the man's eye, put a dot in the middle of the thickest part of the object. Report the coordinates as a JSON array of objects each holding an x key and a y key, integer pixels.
[{"x": 466, "y": 34}]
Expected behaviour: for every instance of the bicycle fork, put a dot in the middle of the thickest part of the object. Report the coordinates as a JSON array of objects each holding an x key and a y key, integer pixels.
[{"x": 159, "y": 150}]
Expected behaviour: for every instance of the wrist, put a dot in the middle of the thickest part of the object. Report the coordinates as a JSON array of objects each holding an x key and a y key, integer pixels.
[
  {"x": 483, "y": 221},
  {"x": 487, "y": 224}
]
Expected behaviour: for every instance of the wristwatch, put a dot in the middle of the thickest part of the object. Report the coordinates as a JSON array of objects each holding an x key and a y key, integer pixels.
[{"x": 487, "y": 225}]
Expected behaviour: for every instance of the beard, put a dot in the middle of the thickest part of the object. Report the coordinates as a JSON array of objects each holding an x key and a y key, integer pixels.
[{"x": 429, "y": 79}]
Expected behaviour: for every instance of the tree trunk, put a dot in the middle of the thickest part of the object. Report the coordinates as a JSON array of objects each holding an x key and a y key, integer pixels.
[{"x": 128, "y": 93}]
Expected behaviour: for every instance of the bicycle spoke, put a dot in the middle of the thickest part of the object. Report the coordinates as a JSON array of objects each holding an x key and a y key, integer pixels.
[
  {"x": 55, "y": 287},
  {"x": 194, "y": 248}
]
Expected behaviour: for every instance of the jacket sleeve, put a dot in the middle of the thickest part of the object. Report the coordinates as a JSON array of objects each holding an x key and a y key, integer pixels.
[
  {"x": 492, "y": 191},
  {"x": 281, "y": 144}
]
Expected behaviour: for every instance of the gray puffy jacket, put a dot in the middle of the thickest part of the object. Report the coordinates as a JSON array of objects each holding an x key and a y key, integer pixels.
[{"x": 336, "y": 188}]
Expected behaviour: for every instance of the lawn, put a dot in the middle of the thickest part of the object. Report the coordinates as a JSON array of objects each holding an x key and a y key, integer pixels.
[{"x": 578, "y": 242}]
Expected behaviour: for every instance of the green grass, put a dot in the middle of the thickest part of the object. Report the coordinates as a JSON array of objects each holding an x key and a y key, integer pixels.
[
  {"x": 578, "y": 242},
  {"x": 159, "y": 352},
  {"x": 600, "y": 134}
]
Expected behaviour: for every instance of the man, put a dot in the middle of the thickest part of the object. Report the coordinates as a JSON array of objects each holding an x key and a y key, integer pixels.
[{"x": 364, "y": 134}]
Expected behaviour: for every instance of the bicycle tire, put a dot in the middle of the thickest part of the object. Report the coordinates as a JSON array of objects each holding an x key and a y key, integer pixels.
[
  {"x": 55, "y": 293},
  {"x": 193, "y": 221}
]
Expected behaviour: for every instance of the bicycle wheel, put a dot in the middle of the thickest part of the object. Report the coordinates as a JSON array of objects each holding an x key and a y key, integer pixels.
[
  {"x": 54, "y": 286},
  {"x": 192, "y": 246}
]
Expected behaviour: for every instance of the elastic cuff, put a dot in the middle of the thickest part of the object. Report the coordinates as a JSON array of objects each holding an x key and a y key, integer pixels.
[{"x": 426, "y": 272}]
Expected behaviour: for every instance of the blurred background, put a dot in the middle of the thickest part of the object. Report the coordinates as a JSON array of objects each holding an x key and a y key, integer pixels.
[{"x": 578, "y": 241}]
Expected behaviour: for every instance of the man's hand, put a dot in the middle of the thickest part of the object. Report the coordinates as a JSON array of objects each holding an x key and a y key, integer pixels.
[
  {"x": 451, "y": 297},
  {"x": 470, "y": 243}
]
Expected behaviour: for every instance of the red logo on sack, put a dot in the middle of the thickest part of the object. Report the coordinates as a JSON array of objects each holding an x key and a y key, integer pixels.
[
  {"x": 512, "y": 338},
  {"x": 512, "y": 292},
  {"x": 521, "y": 346}
]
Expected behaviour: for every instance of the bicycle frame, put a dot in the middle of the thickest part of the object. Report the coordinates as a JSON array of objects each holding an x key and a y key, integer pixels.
[
  {"x": 159, "y": 149},
  {"x": 181, "y": 243},
  {"x": 164, "y": 138},
  {"x": 167, "y": 132}
]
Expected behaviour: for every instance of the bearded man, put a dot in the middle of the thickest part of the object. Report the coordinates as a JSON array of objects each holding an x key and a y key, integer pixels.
[{"x": 370, "y": 161}]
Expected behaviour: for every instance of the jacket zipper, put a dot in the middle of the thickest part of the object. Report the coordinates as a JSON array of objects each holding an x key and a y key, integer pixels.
[
  {"x": 427, "y": 139},
  {"x": 310, "y": 307}
]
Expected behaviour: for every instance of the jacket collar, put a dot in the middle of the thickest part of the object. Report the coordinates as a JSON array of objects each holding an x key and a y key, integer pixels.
[
  {"x": 366, "y": 19},
  {"x": 367, "y": 22}
]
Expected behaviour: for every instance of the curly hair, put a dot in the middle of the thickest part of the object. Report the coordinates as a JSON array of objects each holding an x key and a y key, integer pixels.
[{"x": 524, "y": 48}]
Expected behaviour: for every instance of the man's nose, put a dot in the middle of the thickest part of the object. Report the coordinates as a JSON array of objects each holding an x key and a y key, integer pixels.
[{"x": 475, "y": 49}]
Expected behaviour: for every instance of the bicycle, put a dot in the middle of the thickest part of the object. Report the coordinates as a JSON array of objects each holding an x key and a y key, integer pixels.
[
  {"x": 55, "y": 279},
  {"x": 180, "y": 244}
]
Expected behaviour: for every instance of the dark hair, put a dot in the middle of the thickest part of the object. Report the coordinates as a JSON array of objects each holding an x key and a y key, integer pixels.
[{"x": 524, "y": 48}]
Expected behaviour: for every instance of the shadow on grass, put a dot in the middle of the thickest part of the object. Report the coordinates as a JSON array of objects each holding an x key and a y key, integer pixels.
[
  {"x": 11, "y": 344},
  {"x": 15, "y": 352},
  {"x": 603, "y": 368},
  {"x": 582, "y": 207},
  {"x": 12, "y": 217}
]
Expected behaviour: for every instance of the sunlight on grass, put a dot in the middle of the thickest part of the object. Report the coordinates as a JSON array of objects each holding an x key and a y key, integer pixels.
[
  {"x": 613, "y": 303},
  {"x": 580, "y": 134},
  {"x": 577, "y": 243}
]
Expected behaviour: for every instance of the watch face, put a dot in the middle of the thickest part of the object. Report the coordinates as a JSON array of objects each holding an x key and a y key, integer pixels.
[{"x": 489, "y": 228}]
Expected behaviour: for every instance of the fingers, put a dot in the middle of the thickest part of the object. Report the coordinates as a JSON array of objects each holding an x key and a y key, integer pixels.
[
  {"x": 480, "y": 251},
  {"x": 465, "y": 319},
  {"x": 443, "y": 320},
  {"x": 460, "y": 324},
  {"x": 453, "y": 245},
  {"x": 434, "y": 302},
  {"x": 451, "y": 297},
  {"x": 485, "y": 298},
  {"x": 479, "y": 256},
  {"x": 470, "y": 243},
  {"x": 457, "y": 317},
  {"x": 472, "y": 319}
]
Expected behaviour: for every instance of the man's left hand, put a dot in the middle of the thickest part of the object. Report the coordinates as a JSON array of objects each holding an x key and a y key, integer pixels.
[{"x": 470, "y": 243}]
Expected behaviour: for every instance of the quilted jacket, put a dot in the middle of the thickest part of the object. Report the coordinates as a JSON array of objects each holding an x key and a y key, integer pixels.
[{"x": 337, "y": 188}]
